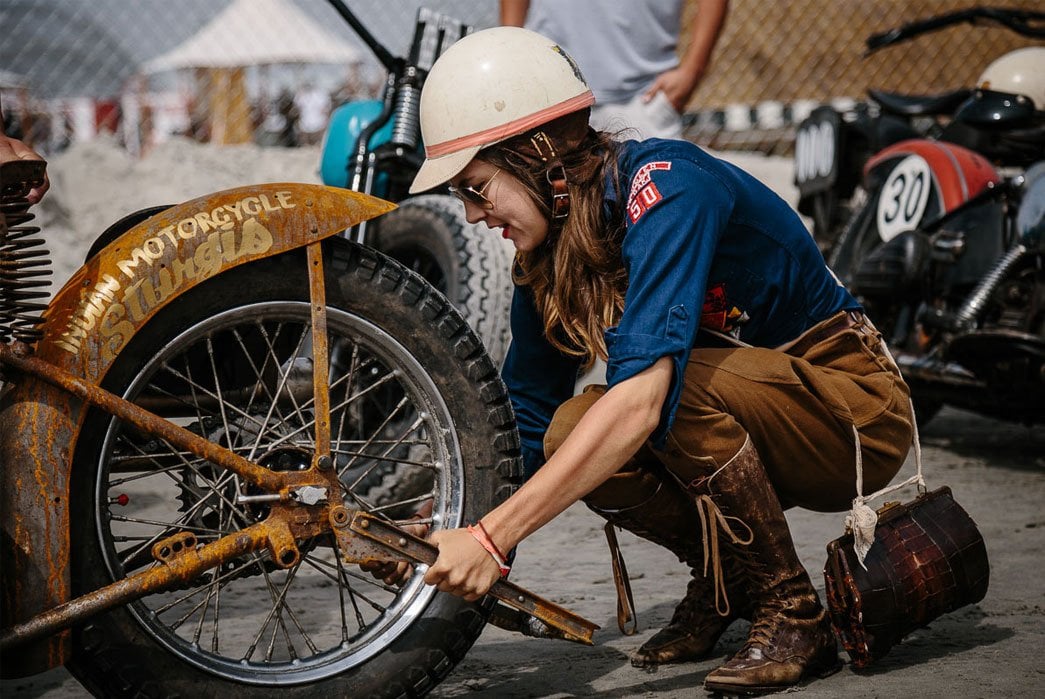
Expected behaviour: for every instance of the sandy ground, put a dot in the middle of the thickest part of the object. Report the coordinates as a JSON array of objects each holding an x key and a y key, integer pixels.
[
  {"x": 991, "y": 649},
  {"x": 996, "y": 470}
]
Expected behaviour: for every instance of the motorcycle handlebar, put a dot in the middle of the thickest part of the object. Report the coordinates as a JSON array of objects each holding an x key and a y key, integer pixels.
[
  {"x": 383, "y": 55},
  {"x": 1024, "y": 22}
]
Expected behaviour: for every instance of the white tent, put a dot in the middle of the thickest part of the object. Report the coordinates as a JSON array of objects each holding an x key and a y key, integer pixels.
[
  {"x": 247, "y": 33},
  {"x": 256, "y": 32}
]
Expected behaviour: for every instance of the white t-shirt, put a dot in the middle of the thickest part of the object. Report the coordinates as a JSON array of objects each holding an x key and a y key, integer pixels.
[{"x": 621, "y": 46}]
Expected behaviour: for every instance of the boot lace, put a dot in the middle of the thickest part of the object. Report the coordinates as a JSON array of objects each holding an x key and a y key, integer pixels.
[
  {"x": 763, "y": 627},
  {"x": 711, "y": 518}
]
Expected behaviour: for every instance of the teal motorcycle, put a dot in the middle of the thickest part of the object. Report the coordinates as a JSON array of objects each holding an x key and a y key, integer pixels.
[{"x": 374, "y": 147}]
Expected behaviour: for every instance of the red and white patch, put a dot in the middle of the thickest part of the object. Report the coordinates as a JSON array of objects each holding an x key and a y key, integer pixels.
[
  {"x": 643, "y": 193},
  {"x": 642, "y": 201},
  {"x": 642, "y": 177}
]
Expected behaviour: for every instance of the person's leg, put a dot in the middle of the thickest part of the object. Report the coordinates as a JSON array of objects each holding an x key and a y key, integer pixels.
[
  {"x": 800, "y": 412},
  {"x": 752, "y": 423},
  {"x": 790, "y": 636},
  {"x": 643, "y": 500}
]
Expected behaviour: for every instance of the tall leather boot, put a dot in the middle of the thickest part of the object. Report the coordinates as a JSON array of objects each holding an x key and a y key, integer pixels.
[
  {"x": 661, "y": 512},
  {"x": 790, "y": 637}
]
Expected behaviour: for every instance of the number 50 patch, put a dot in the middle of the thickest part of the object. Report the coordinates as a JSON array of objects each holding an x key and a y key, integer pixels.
[{"x": 642, "y": 201}]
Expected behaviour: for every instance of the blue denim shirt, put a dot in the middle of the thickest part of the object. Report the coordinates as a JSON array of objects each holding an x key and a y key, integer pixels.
[{"x": 706, "y": 245}]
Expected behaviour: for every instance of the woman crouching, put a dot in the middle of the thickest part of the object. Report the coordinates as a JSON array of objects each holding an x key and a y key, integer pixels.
[{"x": 738, "y": 369}]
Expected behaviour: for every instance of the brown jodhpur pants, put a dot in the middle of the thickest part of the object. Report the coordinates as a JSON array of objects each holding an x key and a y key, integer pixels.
[{"x": 798, "y": 406}]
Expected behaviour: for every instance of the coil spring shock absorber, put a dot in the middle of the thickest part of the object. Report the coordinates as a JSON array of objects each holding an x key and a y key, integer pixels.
[
  {"x": 406, "y": 125},
  {"x": 25, "y": 262}
]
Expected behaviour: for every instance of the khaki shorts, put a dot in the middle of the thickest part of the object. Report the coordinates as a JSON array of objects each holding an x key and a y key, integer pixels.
[{"x": 799, "y": 407}]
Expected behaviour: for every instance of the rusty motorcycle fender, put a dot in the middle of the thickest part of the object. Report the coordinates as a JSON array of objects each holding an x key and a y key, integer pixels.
[{"x": 87, "y": 323}]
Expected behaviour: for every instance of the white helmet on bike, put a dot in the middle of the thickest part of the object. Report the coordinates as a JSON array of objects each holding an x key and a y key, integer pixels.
[
  {"x": 1018, "y": 72},
  {"x": 490, "y": 86}
]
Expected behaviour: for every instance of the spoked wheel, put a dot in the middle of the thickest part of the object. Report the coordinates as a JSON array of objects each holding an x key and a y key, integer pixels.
[{"x": 412, "y": 394}]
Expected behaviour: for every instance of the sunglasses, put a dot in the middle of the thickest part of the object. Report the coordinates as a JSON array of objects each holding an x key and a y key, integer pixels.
[{"x": 475, "y": 196}]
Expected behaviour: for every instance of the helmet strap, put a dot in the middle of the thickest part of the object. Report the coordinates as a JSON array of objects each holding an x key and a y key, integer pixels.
[{"x": 556, "y": 176}]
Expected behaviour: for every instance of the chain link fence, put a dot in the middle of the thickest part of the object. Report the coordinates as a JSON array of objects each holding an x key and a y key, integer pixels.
[
  {"x": 269, "y": 71},
  {"x": 776, "y": 61},
  {"x": 224, "y": 72}
]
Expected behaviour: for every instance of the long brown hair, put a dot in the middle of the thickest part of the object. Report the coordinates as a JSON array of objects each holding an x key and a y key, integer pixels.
[{"x": 577, "y": 274}]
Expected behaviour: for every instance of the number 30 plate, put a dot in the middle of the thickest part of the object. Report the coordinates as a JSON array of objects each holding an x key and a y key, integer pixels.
[{"x": 904, "y": 197}]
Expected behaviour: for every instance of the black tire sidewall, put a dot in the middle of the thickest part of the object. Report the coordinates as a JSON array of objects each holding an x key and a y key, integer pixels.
[
  {"x": 414, "y": 228},
  {"x": 854, "y": 244},
  {"x": 475, "y": 263}
]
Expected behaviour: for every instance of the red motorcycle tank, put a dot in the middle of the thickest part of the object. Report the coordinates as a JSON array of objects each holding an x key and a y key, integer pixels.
[{"x": 932, "y": 186}]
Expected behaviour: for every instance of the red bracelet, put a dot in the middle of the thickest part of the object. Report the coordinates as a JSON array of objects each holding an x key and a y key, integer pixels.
[
  {"x": 489, "y": 539},
  {"x": 480, "y": 535}
]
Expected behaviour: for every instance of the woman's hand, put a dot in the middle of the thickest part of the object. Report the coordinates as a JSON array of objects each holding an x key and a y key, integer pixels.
[
  {"x": 395, "y": 572},
  {"x": 463, "y": 568},
  {"x": 676, "y": 84},
  {"x": 398, "y": 572}
]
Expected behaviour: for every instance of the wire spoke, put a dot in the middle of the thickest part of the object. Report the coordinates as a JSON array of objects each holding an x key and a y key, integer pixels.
[
  {"x": 388, "y": 450},
  {"x": 340, "y": 406},
  {"x": 284, "y": 376}
]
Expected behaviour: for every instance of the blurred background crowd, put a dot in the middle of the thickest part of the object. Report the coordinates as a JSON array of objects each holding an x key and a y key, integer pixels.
[{"x": 270, "y": 72}]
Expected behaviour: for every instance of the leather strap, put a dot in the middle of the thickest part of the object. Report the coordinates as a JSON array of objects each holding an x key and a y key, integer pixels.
[
  {"x": 556, "y": 176},
  {"x": 711, "y": 517},
  {"x": 625, "y": 601},
  {"x": 560, "y": 192}
]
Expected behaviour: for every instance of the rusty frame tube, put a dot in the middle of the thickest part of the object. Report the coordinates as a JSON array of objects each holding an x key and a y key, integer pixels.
[
  {"x": 320, "y": 354},
  {"x": 17, "y": 356},
  {"x": 278, "y": 533},
  {"x": 183, "y": 568}
]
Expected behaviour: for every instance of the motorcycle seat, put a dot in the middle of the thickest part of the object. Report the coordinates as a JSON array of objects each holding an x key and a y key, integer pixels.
[{"x": 920, "y": 105}]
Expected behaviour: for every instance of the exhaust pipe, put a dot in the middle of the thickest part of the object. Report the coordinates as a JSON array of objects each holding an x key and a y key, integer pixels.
[{"x": 937, "y": 371}]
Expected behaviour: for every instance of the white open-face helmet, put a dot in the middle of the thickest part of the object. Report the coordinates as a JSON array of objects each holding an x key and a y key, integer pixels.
[
  {"x": 1019, "y": 72},
  {"x": 490, "y": 86}
]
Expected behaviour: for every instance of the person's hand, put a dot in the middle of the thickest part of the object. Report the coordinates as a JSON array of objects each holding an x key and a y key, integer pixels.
[
  {"x": 397, "y": 572},
  {"x": 13, "y": 149},
  {"x": 463, "y": 568},
  {"x": 677, "y": 85}
]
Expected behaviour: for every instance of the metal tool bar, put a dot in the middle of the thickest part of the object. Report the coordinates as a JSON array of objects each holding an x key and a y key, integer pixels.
[{"x": 388, "y": 542}]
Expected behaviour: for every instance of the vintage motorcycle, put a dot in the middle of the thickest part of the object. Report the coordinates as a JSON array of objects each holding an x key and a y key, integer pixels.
[
  {"x": 374, "y": 147},
  {"x": 832, "y": 147},
  {"x": 947, "y": 252},
  {"x": 186, "y": 434}
]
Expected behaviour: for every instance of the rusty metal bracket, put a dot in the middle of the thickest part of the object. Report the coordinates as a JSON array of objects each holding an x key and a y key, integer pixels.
[
  {"x": 320, "y": 355},
  {"x": 363, "y": 537},
  {"x": 177, "y": 567},
  {"x": 18, "y": 357}
]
